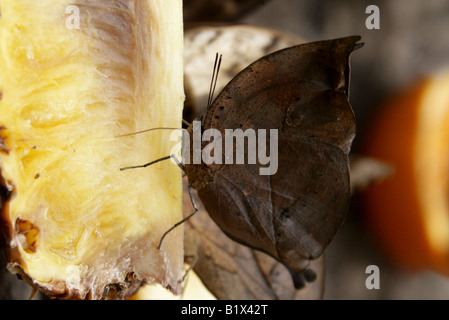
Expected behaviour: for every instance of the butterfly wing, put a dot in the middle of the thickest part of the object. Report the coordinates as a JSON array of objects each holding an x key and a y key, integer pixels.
[{"x": 302, "y": 92}]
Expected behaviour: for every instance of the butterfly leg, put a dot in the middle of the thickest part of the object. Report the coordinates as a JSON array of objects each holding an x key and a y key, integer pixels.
[
  {"x": 181, "y": 166},
  {"x": 191, "y": 260},
  {"x": 172, "y": 156},
  {"x": 183, "y": 220}
]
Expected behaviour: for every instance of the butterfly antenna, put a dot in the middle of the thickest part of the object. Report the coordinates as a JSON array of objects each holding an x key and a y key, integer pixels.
[
  {"x": 147, "y": 130},
  {"x": 213, "y": 83}
]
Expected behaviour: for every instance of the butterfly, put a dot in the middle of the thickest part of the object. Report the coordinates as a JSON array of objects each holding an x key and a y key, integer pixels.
[{"x": 301, "y": 94}]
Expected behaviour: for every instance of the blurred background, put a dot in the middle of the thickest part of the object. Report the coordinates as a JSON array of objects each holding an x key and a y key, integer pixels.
[{"x": 411, "y": 44}]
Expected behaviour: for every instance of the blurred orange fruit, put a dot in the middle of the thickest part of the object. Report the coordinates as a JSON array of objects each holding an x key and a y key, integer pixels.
[{"x": 409, "y": 212}]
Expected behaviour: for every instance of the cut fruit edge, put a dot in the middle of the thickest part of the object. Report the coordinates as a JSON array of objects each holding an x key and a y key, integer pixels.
[{"x": 117, "y": 258}]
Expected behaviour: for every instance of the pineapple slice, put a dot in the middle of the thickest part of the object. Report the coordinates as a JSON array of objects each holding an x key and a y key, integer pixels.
[{"x": 75, "y": 75}]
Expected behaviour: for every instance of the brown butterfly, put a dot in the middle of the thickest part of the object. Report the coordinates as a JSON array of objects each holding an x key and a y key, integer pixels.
[{"x": 302, "y": 93}]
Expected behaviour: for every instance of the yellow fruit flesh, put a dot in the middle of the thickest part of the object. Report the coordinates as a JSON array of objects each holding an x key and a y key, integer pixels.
[
  {"x": 77, "y": 223},
  {"x": 194, "y": 289}
]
